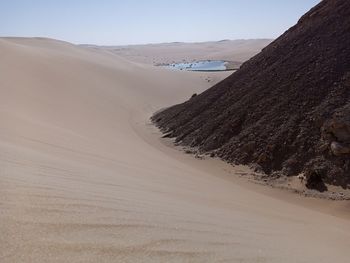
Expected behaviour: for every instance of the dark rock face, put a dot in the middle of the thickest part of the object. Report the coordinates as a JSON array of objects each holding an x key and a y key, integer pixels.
[{"x": 287, "y": 109}]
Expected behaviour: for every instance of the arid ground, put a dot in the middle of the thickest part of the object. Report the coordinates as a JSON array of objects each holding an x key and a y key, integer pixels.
[{"x": 85, "y": 177}]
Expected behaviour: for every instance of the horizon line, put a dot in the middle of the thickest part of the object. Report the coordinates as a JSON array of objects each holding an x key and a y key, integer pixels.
[{"x": 134, "y": 44}]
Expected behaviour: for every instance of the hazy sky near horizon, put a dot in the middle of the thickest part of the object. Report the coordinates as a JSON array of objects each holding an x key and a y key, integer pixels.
[{"x": 108, "y": 22}]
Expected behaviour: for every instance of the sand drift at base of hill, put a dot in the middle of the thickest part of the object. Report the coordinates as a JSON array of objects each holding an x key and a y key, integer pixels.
[{"x": 85, "y": 178}]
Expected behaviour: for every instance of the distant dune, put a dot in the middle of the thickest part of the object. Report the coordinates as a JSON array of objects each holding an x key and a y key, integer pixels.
[
  {"x": 84, "y": 176},
  {"x": 231, "y": 50}
]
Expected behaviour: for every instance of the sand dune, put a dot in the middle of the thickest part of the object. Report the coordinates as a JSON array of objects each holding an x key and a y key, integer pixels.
[
  {"x": 230, "y": 50},
  {"x": 84, "y": 177}
]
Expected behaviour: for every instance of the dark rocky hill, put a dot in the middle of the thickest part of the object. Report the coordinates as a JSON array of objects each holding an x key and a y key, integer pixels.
[{"x": 286, "y": 110}]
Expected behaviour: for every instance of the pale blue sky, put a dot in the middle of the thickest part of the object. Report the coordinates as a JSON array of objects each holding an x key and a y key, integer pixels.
[{"x": 108, "y": 22}]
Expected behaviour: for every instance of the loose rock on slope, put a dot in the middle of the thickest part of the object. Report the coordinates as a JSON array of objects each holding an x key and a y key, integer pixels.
[{"x": 286, "y": 109}]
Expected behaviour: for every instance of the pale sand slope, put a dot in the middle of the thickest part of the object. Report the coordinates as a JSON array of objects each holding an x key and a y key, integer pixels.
[
  {"x": 231, "y": 50},
  {"x": 84, "y": 179}
]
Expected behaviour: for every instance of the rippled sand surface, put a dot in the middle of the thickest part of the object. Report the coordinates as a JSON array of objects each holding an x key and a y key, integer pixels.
[{"x": 84, "y": 177}]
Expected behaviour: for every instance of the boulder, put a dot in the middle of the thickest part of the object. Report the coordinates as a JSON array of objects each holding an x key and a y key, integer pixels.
[{"x": 339, "y": 149}]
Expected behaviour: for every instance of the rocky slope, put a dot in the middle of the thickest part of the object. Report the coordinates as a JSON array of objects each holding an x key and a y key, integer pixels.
[{"x": 286, "y": 110}]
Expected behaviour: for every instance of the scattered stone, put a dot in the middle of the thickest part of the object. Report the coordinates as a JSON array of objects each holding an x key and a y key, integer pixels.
[
  {"x": 302, "y": 177},
  {"x": 314, "y": 181},
  {"x": 199, "y": 156},
  {"x": 256, "y": 168}
]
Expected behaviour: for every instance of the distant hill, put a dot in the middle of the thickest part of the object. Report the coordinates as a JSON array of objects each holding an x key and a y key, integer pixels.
[
  {"x": 286, "y": 110},
  {"x": 231, "y": 50}
]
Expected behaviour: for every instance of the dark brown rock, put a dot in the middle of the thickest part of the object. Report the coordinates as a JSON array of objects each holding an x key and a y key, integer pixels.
[{"x": 292, "y": 100}]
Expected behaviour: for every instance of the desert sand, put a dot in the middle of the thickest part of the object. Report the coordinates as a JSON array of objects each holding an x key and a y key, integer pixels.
[
  {"x": 236, "y": 51},
  {"x": 85, "y": 177}
]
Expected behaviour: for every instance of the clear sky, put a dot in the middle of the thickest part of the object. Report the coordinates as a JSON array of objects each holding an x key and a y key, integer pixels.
[{"x": 112, "y": 22}]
